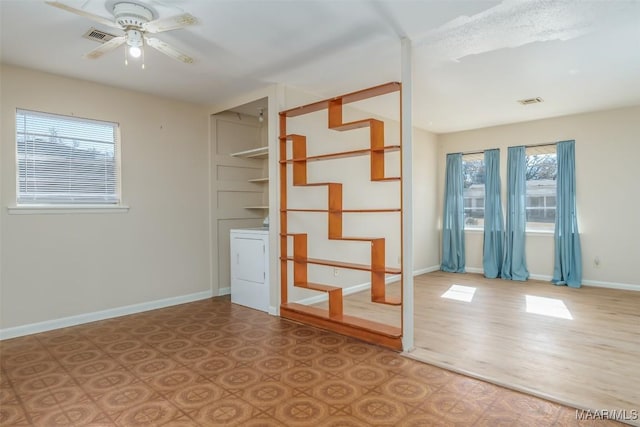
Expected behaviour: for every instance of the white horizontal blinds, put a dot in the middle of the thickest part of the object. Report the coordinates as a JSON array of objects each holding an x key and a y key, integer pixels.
[{"x": 66, "y": 160}]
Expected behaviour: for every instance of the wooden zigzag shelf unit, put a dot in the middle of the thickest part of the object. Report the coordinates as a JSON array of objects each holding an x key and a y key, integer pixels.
[{"x": 334, "y": 317}]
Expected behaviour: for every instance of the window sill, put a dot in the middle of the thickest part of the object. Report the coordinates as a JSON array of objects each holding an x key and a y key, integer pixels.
[
  {"x": 66, "y": 209},
  {"x": 542, "y": 232},
  {"x": 474, "y": 230}
]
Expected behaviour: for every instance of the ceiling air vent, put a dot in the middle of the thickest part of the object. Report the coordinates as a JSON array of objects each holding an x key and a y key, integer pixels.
[
  {"x": 530, "y": 101},
  {"x": 97, "y": 35}
]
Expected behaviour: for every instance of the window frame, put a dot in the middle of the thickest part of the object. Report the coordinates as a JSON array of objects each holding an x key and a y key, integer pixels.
[
  {"x": 46, "y": 206},
  {"x": 477, "y": 157},
  {"x": 545, "y": 149}
]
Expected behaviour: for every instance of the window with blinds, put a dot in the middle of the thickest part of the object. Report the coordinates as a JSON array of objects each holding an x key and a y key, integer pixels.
[{"x": 66, "y": 160}]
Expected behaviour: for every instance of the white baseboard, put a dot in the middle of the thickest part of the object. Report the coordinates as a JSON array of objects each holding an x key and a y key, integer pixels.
[
  {"x": 48, "y": 325},
  {"x": 364, "y": 286},
  {"x": 317, "y": 298},
  {"x": 224, "y": 291},
  {"x": 611, "y": 285},
  {"x": 426, "y": 270},
  {"x": 594, "y": 283},
  {"x": 274, "y": 311},
  {"x": 541, "y": 277}
]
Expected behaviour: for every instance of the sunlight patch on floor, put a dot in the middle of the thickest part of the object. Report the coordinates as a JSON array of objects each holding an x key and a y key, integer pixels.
[
  {"x": 552, "y": 307},
  {"x": 460, "y": 293}
]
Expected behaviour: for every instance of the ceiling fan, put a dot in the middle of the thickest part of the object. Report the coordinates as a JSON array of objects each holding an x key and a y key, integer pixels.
[{"x": 137, "y": 20}]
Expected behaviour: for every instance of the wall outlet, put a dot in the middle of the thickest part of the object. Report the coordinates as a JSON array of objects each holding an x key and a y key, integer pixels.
[
  {"x": 596, "y": 262},
  {"x": 336, "y": 272}
]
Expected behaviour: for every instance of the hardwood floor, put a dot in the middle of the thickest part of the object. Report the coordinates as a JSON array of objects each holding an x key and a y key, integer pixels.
[{"x": 591, "y": 360}]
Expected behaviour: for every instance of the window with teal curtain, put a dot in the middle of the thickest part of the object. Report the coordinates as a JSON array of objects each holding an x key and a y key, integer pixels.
[
  {"x": 453, "y": 217},
  {"x": 567, "y": 268},
  {"x": 514, "y": 265},
  {"x": 492, "y": 254}
]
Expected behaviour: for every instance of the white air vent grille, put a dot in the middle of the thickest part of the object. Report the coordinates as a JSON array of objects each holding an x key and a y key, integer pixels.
[
  {"x": 530, "y": 101},
  {"x": 97, "y": 35}
]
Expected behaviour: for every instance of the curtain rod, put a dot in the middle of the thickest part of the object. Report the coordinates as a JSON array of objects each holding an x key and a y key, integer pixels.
[
  {"x": 478, "y": 152},
  {"x": 542, "y": 144}
]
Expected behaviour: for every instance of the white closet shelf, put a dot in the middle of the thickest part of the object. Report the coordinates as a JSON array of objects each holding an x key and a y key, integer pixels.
[
  {"x": 254, "y": 153},
  {"x": 258, "y": 180}
]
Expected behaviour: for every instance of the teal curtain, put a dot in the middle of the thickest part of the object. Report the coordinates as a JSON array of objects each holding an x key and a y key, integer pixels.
[
  {"x": 492, "y": 253},
  {"x": 567, "y": 268},
  {"x": 453, "y": 217},
  {"x": 514, "y": 266}
]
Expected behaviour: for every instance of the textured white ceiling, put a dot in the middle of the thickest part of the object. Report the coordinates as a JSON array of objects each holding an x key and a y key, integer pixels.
[{"x": 472, "y": 59}]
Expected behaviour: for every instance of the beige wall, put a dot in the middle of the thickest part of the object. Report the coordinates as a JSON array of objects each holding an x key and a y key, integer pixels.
[
  {"x": 425, "y": 203},
  {"x": 607, "y": 177},
  {"x": 58, "y": 265}
]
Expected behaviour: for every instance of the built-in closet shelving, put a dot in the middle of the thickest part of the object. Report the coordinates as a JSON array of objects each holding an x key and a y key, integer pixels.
[
  {"x": 295, "y": 166},
  {"x": 239, "y": 181},
  {"x": 254, "y": 153},
  {"x": 260, "y": 153}
]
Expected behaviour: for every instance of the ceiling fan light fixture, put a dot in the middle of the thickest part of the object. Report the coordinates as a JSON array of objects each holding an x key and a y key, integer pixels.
[
  {"x": 135, "y": 42},
  {"x": 135, "y": 51}
]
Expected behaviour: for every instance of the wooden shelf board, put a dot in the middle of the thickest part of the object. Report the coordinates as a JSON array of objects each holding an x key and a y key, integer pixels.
[
  {"x": 348, "y": 265},
  {"x": 318, "y": 287},
  {"x": 291, "y": 137},
  {"x": 330, "y": 156},
  {"x": 391, "y": 178},
  {"x": 256, "y": 207},
  {"x": 254, "y": 153},
  {"x": 370, "y": 210},
  {"x": 343, "y": 154},
  {"x": 346, "y": 99},
  {"x": 390, "y": 148},
  {"x": 356, "y": 239},
  {"x": 343, "y": 211},
  {"x": 304, "y": 210},
  {"x": 358, "y": 124},
  {"x": 367, "y": 330},
  {"x": 388, "y": 300},
  {"x": 315, "y": 184},
  {"x": 260, "y": 180}
]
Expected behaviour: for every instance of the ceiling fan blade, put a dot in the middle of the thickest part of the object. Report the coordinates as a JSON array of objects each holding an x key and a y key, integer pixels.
[
  {"x": 168, "y": 50},
  {"x": 97, "y": 18},
  {"x": 106, "y": 47},
  {"x": 170, "y": 23}
]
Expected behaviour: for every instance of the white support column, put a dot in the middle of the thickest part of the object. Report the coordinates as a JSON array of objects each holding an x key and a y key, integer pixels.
[{"x": 407, "y": 194}]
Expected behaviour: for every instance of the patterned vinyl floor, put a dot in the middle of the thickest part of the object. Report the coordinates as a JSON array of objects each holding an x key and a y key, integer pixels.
[{"x": 212, "y": 363}]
